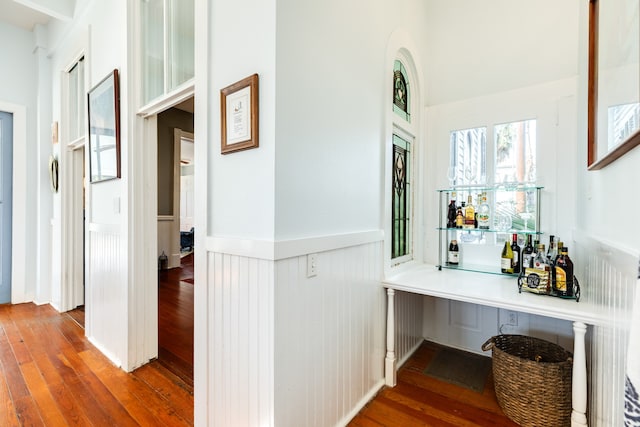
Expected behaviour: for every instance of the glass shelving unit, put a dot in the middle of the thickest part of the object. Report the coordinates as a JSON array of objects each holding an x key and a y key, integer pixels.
[{"x": 514, "y": 209}]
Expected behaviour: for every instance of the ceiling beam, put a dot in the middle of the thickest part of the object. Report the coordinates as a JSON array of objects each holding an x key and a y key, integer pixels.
[{"x": 58, "y": 9}]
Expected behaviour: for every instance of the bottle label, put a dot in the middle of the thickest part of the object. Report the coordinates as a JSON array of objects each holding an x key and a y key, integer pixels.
[
  {"x": 454, "y": 257},
  {"x": 505, "y": 263},
  {"x": 561, "y": 279},
  {"x": 515, "y": 257}
]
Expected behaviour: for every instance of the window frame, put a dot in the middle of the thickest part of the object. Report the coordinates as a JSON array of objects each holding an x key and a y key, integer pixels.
[
  {"x": 169, "y": 88},
  {"x": 410, "y": 131}
]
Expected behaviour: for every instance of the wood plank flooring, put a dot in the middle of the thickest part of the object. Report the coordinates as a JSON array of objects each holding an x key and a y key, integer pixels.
[
  {"x": 50, "y": 375},
  {"x": 175, "y": 319},
  {"x": 420, "y": 400}
]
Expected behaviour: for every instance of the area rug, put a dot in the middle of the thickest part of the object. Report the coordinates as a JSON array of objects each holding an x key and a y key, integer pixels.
[{"x": 461, "y": 368}]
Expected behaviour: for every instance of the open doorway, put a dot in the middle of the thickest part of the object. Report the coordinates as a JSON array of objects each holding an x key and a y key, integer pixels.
[{"x": 175, "y": 240}]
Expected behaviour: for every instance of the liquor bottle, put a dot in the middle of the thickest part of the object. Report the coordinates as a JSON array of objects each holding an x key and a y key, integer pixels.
[
  {"x": 484, "y": 214},
  {"x": 459, "y": 217},
  {"x": 540, "y": 263},
  {"x": 469, "y": 214},
  {"x": 451, "y": 213},
  {"x": 516, "y": 254},
  {"x": 527, "y": 254},
  {"x": 453, "y": 256},
  {"x": 540, "y": 260},
  {"x": 552, "y": 252},
  {"x": 506, "y": 262},
  {"x": 564, "y": 273},
  {"x": 551, "y": 259}
]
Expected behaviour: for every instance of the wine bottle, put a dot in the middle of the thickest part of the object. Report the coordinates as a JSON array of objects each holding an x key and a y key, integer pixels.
[
  {"x": 527, "y": 254},
  {"x": 453, "y": 257},
  {"x": 552, "y": 252},
  {"x": 451, "y": 213},
  {"x": 506, "y": 262},
  {"x": 515, "y": 248},
  {"x": 564, "y": 273},
  {"x": 551, "y": 260}
]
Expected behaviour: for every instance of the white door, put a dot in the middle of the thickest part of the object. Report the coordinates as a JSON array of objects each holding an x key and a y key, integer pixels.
[{"x": 6, "y": 171}]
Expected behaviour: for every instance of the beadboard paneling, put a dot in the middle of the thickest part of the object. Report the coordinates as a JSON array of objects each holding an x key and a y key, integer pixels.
[
  {"x": 106, "y": 293},
  {"x": 608, "y": 277},
  {"x": 240, "y": 328},
  {"x": 329, "y": 335},
  {"x": 409, "y": 311}
]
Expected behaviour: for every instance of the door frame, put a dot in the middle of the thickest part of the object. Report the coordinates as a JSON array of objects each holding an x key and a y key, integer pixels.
[
  {"x": 19, "y": 247},
  {"x": 74, "y": 240},
  {"x": 178, "y": 136}
]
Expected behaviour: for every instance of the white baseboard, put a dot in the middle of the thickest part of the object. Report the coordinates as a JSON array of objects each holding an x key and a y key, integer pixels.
[{"x": 362, "y": 403}]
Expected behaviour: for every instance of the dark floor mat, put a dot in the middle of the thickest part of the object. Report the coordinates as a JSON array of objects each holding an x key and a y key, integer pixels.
[{"x": 461, "y": 368}]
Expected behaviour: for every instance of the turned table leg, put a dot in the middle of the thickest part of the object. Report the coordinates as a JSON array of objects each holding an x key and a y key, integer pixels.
[
  {"x": 579, "y": 384},
  {"x": 390, "y": 359}
]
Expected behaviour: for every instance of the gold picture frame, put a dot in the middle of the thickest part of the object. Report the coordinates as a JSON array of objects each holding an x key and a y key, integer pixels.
[{"x": 239, "y": 115}]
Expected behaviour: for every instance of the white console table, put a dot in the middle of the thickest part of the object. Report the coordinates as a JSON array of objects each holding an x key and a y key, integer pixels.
[{"x": 500, "y": 292}]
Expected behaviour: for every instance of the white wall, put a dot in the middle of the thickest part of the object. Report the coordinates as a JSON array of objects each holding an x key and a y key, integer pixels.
[
  {"x": 242, "y": 184},
  {"x": 481, "y": 48},
  {"x": 332, "y": 113},
  {"x": 19, "y": 86},
  {"x": 99, "y": 31}
]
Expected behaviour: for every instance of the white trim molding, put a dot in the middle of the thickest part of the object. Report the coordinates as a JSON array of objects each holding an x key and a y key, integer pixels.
[
  {"x": 283, "y": 249},
  {"x": 19, "y": 251}
]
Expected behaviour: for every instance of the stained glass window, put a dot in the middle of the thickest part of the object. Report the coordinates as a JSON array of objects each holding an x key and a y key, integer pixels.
[
  {"x": 401, "y": 91},
  {"x": 401, "y": 198}
]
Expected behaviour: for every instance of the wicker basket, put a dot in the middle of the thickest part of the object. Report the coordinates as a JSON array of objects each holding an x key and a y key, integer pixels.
[{"x": 532, "y": 380}]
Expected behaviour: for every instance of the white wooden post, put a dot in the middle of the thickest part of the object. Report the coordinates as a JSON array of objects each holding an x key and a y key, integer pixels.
[
  {"x": 579, "y": 381},
  {"x": 390, "y": 360}
]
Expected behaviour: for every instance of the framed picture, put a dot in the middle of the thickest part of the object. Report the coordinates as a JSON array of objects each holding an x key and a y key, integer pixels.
[
  {"x": 239, "y": 115},
  {"x": 104, "y": 129}
]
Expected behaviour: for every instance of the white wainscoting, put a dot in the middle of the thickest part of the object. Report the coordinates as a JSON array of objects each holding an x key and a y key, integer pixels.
[
  {"x": 329, "y": 335},
  {"x": 409, "y": 311},
  {"x": 608, "y": 277},
  {"x": 106, "y": 293},
  {"x": 240, "y": 340}
]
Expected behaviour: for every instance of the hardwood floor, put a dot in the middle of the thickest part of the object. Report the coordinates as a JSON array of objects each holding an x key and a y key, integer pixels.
[
  {"x": 50, "y": 375},
  {"x": 175, "y": 319},
  {"x": 420, "y": 400}
]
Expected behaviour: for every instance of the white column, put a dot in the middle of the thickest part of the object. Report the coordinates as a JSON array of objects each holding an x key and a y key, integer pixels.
[
  {"x": 41, "y": 272},
  {"x": 579, "y": 384},
  {"x": 390, "y": 360}
]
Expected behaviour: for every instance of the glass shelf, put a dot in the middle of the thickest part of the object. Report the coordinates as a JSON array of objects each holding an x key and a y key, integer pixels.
[
  {"x": 479, "y": 268},
  {"x": 490, "y": 230},
  {"x": 514, "y": 208},
  {"x": 497, "y": 187}
]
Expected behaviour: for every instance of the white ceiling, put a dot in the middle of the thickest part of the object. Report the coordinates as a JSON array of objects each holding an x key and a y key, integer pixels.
[{"x": 21, "y": 16}]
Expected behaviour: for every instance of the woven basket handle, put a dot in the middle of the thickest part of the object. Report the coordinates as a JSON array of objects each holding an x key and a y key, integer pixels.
[{"x": 489, "y": 344}]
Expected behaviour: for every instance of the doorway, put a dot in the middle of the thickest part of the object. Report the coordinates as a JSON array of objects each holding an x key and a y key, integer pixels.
[
  {"x": 175, "y": 241},
  {"x": 6, "y": 174}
]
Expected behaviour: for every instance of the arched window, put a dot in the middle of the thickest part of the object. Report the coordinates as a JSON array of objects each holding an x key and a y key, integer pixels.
[
  {"x": 402, "y": 164},
  {"x": 401, "y": 91}
]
